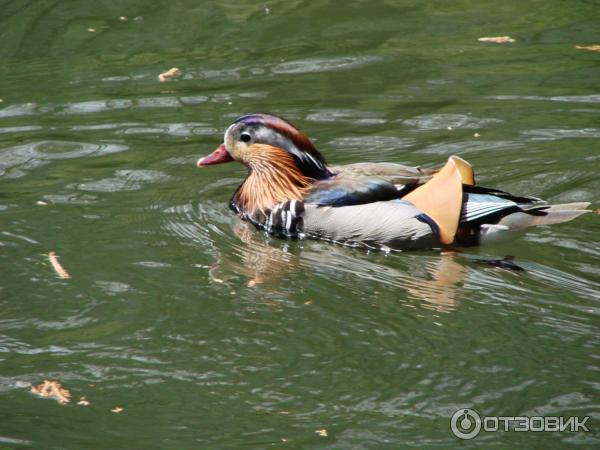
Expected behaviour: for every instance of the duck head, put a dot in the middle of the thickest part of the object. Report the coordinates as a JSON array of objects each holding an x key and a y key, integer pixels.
[
  {"x": 239, "y": 144},
  {"x": 282, "y": 161}
]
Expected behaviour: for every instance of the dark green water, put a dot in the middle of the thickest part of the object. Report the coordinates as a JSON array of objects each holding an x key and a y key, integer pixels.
[{"x": 212, "y": 335}]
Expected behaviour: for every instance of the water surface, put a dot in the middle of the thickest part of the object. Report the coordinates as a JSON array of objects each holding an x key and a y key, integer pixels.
[{"x": 210, "y": 334}]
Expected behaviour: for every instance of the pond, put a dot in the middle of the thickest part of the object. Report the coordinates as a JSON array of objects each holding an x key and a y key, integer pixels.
[{"x": 185, "y": 328}]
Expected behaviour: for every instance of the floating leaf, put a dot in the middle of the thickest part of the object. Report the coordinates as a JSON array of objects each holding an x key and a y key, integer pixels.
[
  {"x": 171, "y": 73},
  {"x": 52, "y": 389},
  {"x": 117, "y": 409},
  {"x": 497, "y": 39},
  {"x": 58, "y": 268},
  {"x": 83, "y": 402},
  {"x": 589, "y": 48},
  {"x": 322, "y": 432}
]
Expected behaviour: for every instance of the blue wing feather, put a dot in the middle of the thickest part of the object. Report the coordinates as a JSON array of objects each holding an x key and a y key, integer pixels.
[{"x": 346, "y": 192}]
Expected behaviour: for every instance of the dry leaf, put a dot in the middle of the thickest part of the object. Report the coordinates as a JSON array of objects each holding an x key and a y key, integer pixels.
[
  {"x": 322, "y": 432},
  {"x": 83, "y": 401},
  {"x": 117, "y": 409},
  {"x": 590, "y": 48},
  {"x": 58, "y": 268},
  {"x": 497, "y": 39},
  {"x": 308, "y": 302},
  {"x": 251, "y": 283},
  {"x": 52, "y": 389},
  {"x": 165, "y": 76}
]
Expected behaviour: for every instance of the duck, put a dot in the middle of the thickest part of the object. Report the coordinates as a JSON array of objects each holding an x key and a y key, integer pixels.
[{"x": 290, "y": 191}]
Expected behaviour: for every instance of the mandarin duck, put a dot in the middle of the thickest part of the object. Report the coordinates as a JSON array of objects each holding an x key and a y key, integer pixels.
[{"x": 291, "y": 191}]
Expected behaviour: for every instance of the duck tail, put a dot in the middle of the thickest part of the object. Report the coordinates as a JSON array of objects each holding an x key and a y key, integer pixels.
[
  {"x": 544, "y": 215},
  {"x": 516, "y": 223}
]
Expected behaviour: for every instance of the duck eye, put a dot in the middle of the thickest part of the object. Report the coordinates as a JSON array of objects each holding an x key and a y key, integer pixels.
[{"x": 245, "y": 137}]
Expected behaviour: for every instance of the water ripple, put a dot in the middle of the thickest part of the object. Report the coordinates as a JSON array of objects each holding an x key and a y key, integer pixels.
[
  {"x": 593, "y": 98},
  {"x": 458, "y": 148},
  {"x": 124, "y": 180},
  {"x": 16, "y": 161},
  {"x": 119, "y": 104},
  {"x": 553, "y": 134},
  {"x": 374, "y": 144},
  {"x": 443, "y": 121},
  {"x": 324, "y": 65},
  {"x": 353, "y": 116}
]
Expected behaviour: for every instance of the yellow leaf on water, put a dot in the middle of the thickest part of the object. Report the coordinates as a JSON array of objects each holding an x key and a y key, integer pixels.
[
  {"x": 589, "y": 48},
  {"x": 171, "y": 73},
  {"x": 58, "y": 268},
  {"x": 497, "y": 39},
  {"x": 52, "y": 389},
  {"x": 322, "y": 432},
  {"x": 117, "y": 409}
]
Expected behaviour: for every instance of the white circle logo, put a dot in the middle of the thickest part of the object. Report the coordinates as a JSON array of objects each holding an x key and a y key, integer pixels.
[{"x": 465, "y": 423}]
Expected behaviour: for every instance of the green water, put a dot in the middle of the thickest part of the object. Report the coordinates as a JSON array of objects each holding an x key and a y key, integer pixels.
[{"x": 212, "y": 335}]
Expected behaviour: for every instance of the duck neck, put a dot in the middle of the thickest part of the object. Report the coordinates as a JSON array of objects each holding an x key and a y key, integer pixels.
[{"x": 273, "y": 177}]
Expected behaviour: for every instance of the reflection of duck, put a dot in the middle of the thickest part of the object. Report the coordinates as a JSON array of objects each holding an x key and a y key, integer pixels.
[
  {"x": 435, "y": 282},
  {"x": 291, "y": 191}
]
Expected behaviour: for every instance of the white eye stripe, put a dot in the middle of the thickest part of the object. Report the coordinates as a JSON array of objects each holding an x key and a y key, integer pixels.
[
  {"x": 309, "y": 156},
  {"x": 228, "y": 130}
]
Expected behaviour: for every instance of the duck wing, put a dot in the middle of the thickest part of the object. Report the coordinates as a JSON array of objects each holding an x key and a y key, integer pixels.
[
  {"x": 397, "y": 174},
  {"x": 368, "y": 210},
  {"x": 345, "y": 191},
  {"x": 360, "y": 183}
]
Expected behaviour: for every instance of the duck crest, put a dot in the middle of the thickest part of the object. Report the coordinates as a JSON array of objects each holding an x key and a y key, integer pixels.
[
  {"x": 273, "y": 177},
  {"x": 308, "y": 159}
]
